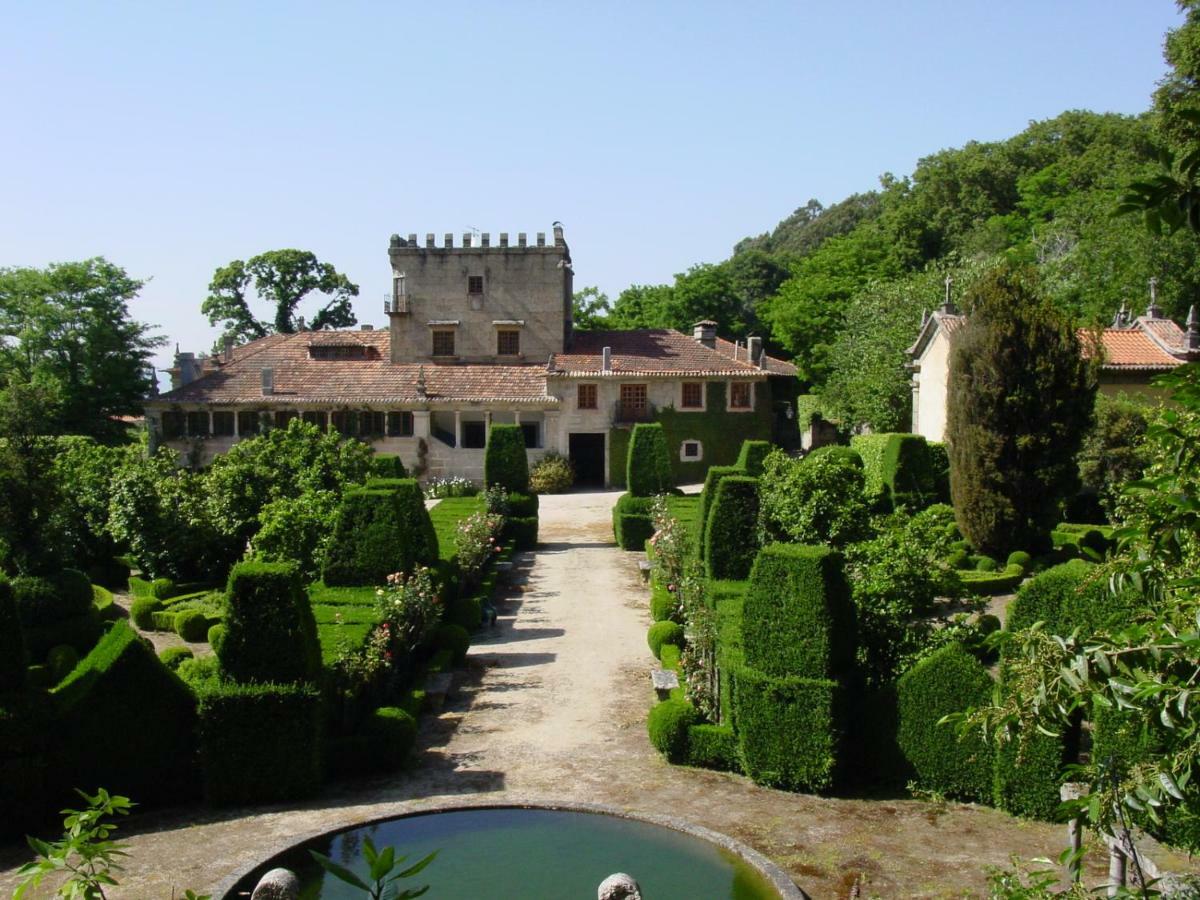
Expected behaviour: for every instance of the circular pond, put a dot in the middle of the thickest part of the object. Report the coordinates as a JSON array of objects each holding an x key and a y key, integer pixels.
[{"x": 534, "y": 852}]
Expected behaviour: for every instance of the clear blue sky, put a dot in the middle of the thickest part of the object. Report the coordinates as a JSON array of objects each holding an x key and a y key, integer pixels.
[{"x": 172, "y": 138}]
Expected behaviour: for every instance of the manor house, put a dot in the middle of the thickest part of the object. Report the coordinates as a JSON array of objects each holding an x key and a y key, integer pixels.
[{"x": 476, "y": 334}]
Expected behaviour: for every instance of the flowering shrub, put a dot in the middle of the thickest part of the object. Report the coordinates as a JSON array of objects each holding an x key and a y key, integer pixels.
[
  {"x": 699, "y": 657},
  {"x": 356, "y": 670},
  {"x": 477, "y": 542},
  {"x": 496, "y": 500},
  {"x": 454, "y": 486},
  {"x": 409, "y": 609},
  {"x": 671, "y": 544},
  {"x": 553, "y": 474}
]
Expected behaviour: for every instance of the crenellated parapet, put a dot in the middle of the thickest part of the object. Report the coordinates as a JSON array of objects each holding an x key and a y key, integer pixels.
[{"x": 473, "y": 242}]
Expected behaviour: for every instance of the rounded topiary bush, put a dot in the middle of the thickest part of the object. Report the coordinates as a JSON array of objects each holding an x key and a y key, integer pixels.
[
  {"x": 664, "y": 633},
  {"x": 61, "y": 660},
  {"x": 191, "y": 625},
  {"x": 215, "y": 636},
  {"x": 173, "y": 657},
  {"x": 668, "y": 725},
  {"x": 986, "y": 564},
  {"x": 553, "y": 474},
  {"x": 957, "y": 559},
  {"x": 395, "y": 730},
  {"x": 452, "y": 637},
  {"x": 1020, "y": 558},
  {"x": 142, "y": 612},
  {"x": 47, "y": 599},
  {"x": 504, "y": 460},
  {"x": 162, "y": 588},
  {"x": 837, "y": 451}
]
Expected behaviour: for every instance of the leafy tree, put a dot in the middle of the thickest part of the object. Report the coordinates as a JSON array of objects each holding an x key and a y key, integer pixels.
[
  {"x": 69, "y": 324},
  {"x": 83, "y": 471},
  {"x": 1113, "y": 453},
  {"x": 298, "y": 529},
  {"x": 282, "y": 278},
  {"x": 1019, "y": 401},
  {"x": 30, "y": 543},
  {"x": 590, "y": 309},
  {"x": 811, "y": 225},
  {"x": 643, "y": 306},
  {"x": 817, "y": 500}
]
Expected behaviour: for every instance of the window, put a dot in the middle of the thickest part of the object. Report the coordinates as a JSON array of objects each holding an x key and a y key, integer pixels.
[
  {"x": 399, "y": 424},
  {"x": 693, "y": 395},
  {"x": 443, "y": 342},
  {"x": 345, "y": 422},
  {"x": 474, "y": 284},
  {"x": 371, "y": 424},
  {"x": 690, "y": 451},
  {"x": 531, "y": 432},
  {"x": 197, "y": 424},
  {"x": 508, "y": 342},
  {"x": 173, "y": 425},
  {"x": 339, "y": 351},
  {"x": 474, "y": 435},
  {"x": 315, "y": 417},
  {"x": 247, "y": 423},
  {"x": 222, "y": 424},
  {"x": 282, "y": 418},
  {"x": 634, "y": 406},
  {"x": 741, "y": 395},
  {"x": 586, "y": 397}
]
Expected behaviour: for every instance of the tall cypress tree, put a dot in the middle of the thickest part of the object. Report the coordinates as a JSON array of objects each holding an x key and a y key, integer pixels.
[{"x": 1019, "y": 401}]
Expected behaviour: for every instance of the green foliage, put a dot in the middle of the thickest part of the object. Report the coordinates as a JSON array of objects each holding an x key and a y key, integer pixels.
[
  {"x": 68, "y": 326},
  {"x": 898, "y": 469},
  {"x": 1068, "y": 596},
  {"x": 259, "y": 743},
  {"x": 270, "y": 633},
  {"x": 948, "y": 680},
  {"x": 1019, "y": 403},
  {"x": 731, "y": 533},
  {"x": 142, "y": 611},
  {"x": 49, "y": 599},
  {"x": 297, "y": 529},
  {"x": 709, "y": 493},
  {"x": 378, "y": 532},
  {"x": 552, "y": 474},
  {"x": 522, "y": 531},
  {"x": 986, "y": 564},
  {"x": 172, "y": 657},
  {"x": 668, "y": 724},
  {"x": 12, "y": 646},
  {"x": 808, "y": 407},
  {"x": 387, "y": 465},
  {"x": 83, "y": 471},
  {"x": 191, "y": 625},
  {"x": 649, "y": 464},
  {"x": 1113, "y": 451},
  {"x": 664, "y": 632},
  {"x": 798, "y": 619},
  {"x": 60, "y": 661},
  {"x": 721, "y": 444},
  {"x": 789, "y": 729},
  {"x": 133, "y": 722},
  {"x": 750, "y": 458},
  {"x": 589, "y": 311},
  {"x": 632, "y": 525},
  {"x": 281, "y": 278},
  {"x": 505, "y": 462},
  {"x": 1019, "y": 558},
  {"x": 713, "y": 747},
  {"x": 385, "y": 868},
  {"x": 991, "y": 583},
  {"x": 1027, "y": 775},
  {"x": 85, "y": 854},
  {"x": 818, "y": 499},
  {"x": 454, "y": 638},
  {"x": 393, "y": 731}
]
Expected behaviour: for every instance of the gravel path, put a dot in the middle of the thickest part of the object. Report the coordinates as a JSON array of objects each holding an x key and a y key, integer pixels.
[{"x": 552, "y": 707}]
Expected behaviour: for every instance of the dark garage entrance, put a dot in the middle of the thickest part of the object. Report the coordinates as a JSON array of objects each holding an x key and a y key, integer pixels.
[{"x": 587, "y": 456}]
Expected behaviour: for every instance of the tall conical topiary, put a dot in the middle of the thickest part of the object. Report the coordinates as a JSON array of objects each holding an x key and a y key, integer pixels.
[
  {"x": 648, "y": 467},
  {"x": 504, "y": 461},
  {"x": 1019, "y": 400}
]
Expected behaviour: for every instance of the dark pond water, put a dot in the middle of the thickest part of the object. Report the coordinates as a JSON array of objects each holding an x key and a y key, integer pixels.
[{"x": 530, "y": 853}]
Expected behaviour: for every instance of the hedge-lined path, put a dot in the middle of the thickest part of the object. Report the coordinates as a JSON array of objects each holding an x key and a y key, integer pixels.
[
  {"x": 160, "y": 639},
  {"x": 553, "y": 707}
]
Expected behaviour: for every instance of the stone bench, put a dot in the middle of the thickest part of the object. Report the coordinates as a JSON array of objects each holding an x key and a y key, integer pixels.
[
  {"x": 664, "y": 681},
  {"x": 644, "y": 568},
  {"x": 437, "y": 687}
]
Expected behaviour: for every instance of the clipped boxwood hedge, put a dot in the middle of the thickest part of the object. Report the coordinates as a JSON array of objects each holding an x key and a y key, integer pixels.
[
  {"x": 259, "y": 743},
  {"x": 192, "y": 625},
  {"x": 900, "y": 469},
  {"x": 632, "y": 524},
  {"x": 947, "y": 681},
  {"x": 132, "y": 723},
  {"x": 668, "y": 725},
  {"x": 81, "y": 632},
  {"x": 522, "y": 531},
  {"x": 387, "y": 465},
  {"x": 731, "y": 534},
  {"x": 505, "y": 462},
  {"x": 1066, "y": 597},
  {"x": 663, "y": 602},
  {"x": 270, "y": 633},
  {"x": 711, "y": 479},
  {"x": 648, "y": 465},
  {"x": 789, "y": 730},
  {"x": 1027, "y": 775},
  {"x": 661, "y": 633},
  {"x": 48, "y": 599},
  {"x": 750, "y": 459},
  {"x": 378, "y": 531},
  {"x": 713, "y": 747},
  {"x": 798, "y": 619},
  {"x": 452, "y": 637}
]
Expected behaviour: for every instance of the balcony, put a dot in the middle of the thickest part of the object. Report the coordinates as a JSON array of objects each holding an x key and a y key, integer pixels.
[{"x": 630, "y": 413}]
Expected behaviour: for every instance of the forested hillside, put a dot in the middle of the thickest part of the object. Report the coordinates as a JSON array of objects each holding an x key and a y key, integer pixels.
[{"x": 842, "y": 288}]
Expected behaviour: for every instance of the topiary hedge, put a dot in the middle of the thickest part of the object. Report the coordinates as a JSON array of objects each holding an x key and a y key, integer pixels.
[
  {"x": 668, "y": 725},
  {"x": 750, "y": 459},
  {"x": 709, "y": 494},
  {"x": 378, "y": 531},
  {"x": 789, "y": 730},
  {"x": 1027, "y": 773},
  {"x": 663, "y": 603},
  {"x": 259, "y": 742},
  {"x": 798, "y": 619},
  {"x": 132, "y": 723},
  {"x": 192, "y": 625},
  {"x": 731, "y": 534},
  {"x": 393, "y": 731},
  {"x": 50, "y": 599},
  {"x": 949, "y": 680},
  {"x": 648, "y": 467},
  {"x": 172, "y": 657},
  {"x": 900, "y": 469},
  {"x": 840, "y": 452},
  {"x": 661, "y": 633},
  {"x": 1066, "y": 597},
  {"x": 60, "y": 661},
  {"x": 452, "y": 637},
  {"x": 713, "y": 747},
  {"x": 505, "y": 462},
  {"x": 632, "y": 523},
  {"x": 270, "y": 633},
  {"x": 387, "y": 465}
]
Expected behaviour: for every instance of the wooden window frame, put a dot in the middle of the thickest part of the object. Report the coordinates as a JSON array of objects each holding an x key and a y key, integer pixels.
[
  {"x": 443, "y": 334},
  {"x": 399, "y": 423},
  {"x": 513, "y": 334},
  {"x": 683, "y": 396},
  {"x": 473, "y": 282},
  {"x": 594, "y": 390},
  {"x": 229, "y": 429},
  {"x": 749, "y": 407}
]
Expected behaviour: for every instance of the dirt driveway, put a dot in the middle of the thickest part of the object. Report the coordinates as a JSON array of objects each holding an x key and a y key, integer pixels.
[{"x": 553, "y": 707}]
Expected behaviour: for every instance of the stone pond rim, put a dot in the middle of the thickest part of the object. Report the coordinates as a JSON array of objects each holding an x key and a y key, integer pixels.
[{"x": 777, "y": 878}]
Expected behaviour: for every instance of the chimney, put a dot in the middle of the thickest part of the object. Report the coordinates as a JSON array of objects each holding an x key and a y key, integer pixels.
[
  {"x": 1192, "y": 339},
  {"x": 268, "y": 381},
  {"x": 606, "y": 359},
  {"x": 755, "y": 354},
  {"x": 1154, "y": 311},
  {"x": 366, "y": 327},
  {"x": 227, "y": 348},
  {"x": 705, "y": 332}
]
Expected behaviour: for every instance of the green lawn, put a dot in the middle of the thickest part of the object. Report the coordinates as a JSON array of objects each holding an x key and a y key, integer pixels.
[
  {"x": 687, "y": 511},
  {"x": 446, "y": 516}
]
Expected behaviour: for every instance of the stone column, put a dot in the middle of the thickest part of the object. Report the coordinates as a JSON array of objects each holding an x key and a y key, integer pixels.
[{"x": 421, "y": 423}]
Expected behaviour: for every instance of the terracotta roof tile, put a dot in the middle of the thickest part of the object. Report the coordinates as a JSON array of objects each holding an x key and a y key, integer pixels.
[
  {"x": 773, "y": 365},
  {"x": 1132, "y": 349},
  {"x": 651, "y": 351}
]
